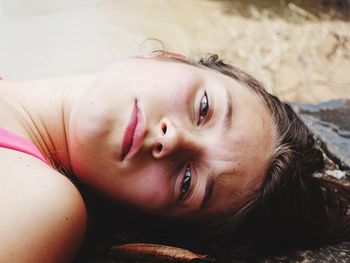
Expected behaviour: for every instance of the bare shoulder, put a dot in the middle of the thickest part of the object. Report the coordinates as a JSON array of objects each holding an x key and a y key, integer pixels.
[{"x": 43, "y": 216}]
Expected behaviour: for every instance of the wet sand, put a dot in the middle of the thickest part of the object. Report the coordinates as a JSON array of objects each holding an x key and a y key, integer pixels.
[{"x": 296, "y": 54}]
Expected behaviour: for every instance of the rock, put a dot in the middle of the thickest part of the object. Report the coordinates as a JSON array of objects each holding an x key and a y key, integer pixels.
[
  {"x": 330, "y": 121},
  {"x": 336, "y": 173},
  {"x": 335, "y": 253}
]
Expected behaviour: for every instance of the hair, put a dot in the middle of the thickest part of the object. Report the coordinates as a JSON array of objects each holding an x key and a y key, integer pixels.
[{"x": 295, "y": 206}]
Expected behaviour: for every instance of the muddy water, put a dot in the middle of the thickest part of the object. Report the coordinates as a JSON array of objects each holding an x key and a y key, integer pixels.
[{"x": 307, "y": 60}]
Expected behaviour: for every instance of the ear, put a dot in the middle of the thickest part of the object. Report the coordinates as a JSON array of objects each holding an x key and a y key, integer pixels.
[{"x": 163, "y": 54}]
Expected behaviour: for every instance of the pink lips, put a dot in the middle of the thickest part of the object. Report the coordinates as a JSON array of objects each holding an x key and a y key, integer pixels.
[{"x": 134, "y": 134}]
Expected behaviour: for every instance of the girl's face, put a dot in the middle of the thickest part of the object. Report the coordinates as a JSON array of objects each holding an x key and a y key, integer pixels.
[{"x": 170, "y": 138}]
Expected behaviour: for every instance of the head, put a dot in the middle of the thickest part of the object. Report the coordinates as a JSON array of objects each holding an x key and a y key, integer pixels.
[
  {"x": 201, "y": 131},
  {"x": 175, "y": 139}
]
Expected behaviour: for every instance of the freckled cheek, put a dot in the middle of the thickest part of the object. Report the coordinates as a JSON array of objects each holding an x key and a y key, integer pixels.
[{"x": 153, "y": 190}]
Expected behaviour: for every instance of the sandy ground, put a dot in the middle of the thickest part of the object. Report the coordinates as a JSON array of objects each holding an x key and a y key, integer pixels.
[{"x": 299, "y": 53}]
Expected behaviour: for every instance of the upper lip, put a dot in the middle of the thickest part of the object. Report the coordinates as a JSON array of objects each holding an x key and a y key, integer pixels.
[{"x": 133, "y": 134}]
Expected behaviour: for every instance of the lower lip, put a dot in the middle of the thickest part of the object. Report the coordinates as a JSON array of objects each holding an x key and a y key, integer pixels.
[{"x": 134, "y": 135}]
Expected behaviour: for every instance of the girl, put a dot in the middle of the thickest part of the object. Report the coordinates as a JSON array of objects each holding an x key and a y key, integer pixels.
[{"x": 197, "y": 142}]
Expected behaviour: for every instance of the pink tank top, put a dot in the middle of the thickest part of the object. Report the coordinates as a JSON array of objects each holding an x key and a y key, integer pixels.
[{"x": 14, "y": 142}]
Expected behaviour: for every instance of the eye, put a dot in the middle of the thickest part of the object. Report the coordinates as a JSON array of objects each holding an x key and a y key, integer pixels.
[
  {"x": 186, "y": 182},
  {"x": 203, "y": 108}
]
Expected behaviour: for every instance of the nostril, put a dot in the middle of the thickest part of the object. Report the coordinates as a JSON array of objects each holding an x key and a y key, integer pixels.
[
  {"x": 159, "y": 148},
  {"x": 164, "y": 128}
]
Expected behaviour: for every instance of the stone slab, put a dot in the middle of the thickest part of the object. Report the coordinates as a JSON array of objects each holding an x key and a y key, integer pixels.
[{"x": 330, "y": 121}]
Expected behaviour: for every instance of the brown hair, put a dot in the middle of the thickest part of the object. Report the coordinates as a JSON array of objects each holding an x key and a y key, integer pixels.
[{"x": 294, "y": 207}]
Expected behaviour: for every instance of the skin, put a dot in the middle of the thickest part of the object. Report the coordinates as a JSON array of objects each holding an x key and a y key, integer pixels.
[
  {"x": 168, "y": 94},
  {"x": 90, "y": 116}
]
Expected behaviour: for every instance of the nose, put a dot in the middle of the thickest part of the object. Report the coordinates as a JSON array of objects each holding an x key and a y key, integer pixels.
[{"x": 171, "y": 138}]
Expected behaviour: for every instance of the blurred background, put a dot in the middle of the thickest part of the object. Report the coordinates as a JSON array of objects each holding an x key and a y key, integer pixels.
[{"x": 300, "y": 50}]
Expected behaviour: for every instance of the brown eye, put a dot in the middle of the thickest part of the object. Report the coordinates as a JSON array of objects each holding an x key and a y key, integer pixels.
[{"x": 203, "y": 108}]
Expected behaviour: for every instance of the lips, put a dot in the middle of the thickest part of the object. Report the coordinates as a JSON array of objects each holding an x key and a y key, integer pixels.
[{"x": 133, "y": 135}]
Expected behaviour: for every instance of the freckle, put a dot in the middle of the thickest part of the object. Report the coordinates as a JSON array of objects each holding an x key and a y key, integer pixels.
[{"x": 66, "y": 218}]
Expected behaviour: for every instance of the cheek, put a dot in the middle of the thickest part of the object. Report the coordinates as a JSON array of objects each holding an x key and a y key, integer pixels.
[
  {"x": 150, "y": 189},
  {"x": 165, "y": 101},
  {"x": 175, "y": 100},
  {"x": 167, "y": 93}
]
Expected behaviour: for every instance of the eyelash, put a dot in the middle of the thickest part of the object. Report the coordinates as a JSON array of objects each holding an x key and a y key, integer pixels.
[
  {"x": 186, "y": 182},
  {"x": 203, "y": 112}
]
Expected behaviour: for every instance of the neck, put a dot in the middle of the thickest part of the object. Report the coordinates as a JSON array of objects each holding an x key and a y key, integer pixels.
[{"x": 41, "y": 112}]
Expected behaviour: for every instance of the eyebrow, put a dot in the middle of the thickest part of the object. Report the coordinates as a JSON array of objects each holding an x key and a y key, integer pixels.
[
  {"x": 207, "y": 193},
  {"x": 228, "y": 114}
]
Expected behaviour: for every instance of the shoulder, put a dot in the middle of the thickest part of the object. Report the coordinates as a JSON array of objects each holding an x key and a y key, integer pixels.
[
  {"x": 26, "y": 173},
  {"x": 43, "y": 214}
]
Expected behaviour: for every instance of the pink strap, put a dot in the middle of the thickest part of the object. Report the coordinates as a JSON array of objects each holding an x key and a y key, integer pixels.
[{"x": 12, "y": 141}]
